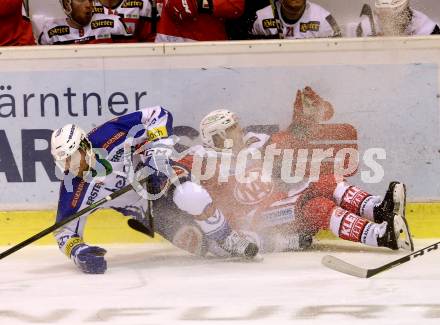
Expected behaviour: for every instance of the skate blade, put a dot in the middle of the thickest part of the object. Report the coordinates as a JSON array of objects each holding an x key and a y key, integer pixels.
[
  {"x": 404, "y": 240},
  {"x": 399, "y": 195}
]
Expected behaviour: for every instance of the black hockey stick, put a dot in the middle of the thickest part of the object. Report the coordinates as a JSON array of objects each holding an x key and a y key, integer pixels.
[
  {"x": 339, "y": 265},
  {"x": 276, "y": 16},
  {"x": 154, "y": 16},
  {"x": 146, "y": 224},
  {"x": 57, "y": 225},
  {"x": 366, "y": 11},
  {"x": 26, "y": 7}
]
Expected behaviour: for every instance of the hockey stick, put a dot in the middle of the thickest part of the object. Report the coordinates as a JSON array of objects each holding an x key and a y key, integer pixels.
[
  {"x": 366, "y": 11},
  {"x": 26, "y": 7},
  {"x": 339, "y": 265},
  {"x": 276, "y": 16},
  {"x": 144, "y": 226},
  {"x": 57, "y": 225},
  {"x": 154, "y": 16}
]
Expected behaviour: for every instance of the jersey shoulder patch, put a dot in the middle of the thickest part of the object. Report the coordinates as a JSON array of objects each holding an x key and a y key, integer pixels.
[
  {"x": 58, "y": 31},
  {"x": 102, "y": 23},
  {"x": 269, "y": 23},
  {"x": 133, "y": 4},
  {"x": 310, "y": 26}
]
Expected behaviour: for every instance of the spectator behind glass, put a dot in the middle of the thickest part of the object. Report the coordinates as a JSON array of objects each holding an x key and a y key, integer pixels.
[
  {"x": 14, "y": 28},
  {"x": 82, "y": 26},
  {"x": 298, "y": 19},
  {"x": 240, "y": 29},
  {"x": 394, "y": 18},
  {"x": 196, "y": 20},
  {"x": 140, "y": 16}
]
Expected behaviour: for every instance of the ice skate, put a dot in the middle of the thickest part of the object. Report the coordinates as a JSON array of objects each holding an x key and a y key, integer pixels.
[
  {"x": 393, "y": 203},
  {"x": 392, "y": 210},
  {"x": 238, "y": 245},
  {"x": 396, "y": 234}
]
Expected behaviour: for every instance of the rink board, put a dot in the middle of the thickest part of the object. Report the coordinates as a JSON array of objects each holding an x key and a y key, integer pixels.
[
  {"x": 384, "y": 94},
  {"x": 107, "y": 226}
]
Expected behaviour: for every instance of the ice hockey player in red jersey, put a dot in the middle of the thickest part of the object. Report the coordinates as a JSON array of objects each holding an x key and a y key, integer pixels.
[
  {"x": 298, "y": 19},
  {"x": 14, "y": 28},
  {"x": 81, "y": 26},
  {"x": 139, "y": 16},
  {"x": 196, "y": 20},
  {"x": 394, "y": 18},
  {"x": 285, "y": 220}
]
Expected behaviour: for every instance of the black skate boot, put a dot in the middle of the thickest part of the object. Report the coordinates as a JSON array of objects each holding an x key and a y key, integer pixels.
[
  {"x": 392, "y": 210},
  {"x": 238, "y": 245},
  {"x": 396, "y": 235},
  {"x": 393, "y": 203}
]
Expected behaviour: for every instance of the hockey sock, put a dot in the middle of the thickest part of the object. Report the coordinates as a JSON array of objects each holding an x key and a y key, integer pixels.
[
  {"x": 353, "y": 199},
  {"x": 349, "y": 226}
]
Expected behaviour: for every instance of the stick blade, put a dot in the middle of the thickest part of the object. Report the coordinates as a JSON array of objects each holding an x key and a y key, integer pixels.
[{"x": 339, "y": 265}]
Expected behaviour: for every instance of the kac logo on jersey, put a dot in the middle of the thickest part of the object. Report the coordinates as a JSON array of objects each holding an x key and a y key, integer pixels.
[
  {"x": 311, "y": 26},
  {"x": 269, "y": 23},
  {"x": 254, "y": 192},
  {"x": 102, "y": 23},
  {"x": 58, "y": 31}
]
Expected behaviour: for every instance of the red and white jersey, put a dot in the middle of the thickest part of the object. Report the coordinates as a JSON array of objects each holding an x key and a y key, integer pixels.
[
  {"x": 315, "y": 22},
  {"x": 102, "y": 29},
  {"x": 238, "y": 199},
  {"x": 420, "y": 25},
  {"x": 136, "y": 14}
]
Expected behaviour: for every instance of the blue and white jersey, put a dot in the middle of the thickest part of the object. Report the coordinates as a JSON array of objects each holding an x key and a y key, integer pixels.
[{"x": 147, "y": 127}]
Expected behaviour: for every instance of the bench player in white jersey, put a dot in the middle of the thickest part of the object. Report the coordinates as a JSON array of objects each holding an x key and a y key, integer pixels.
[
  {"x": 298, "y": 18},
  {"x": 140, "y": 16},
  {"x": 395, "y": 18},
  {"x": 109, "y": 158},
  {"x": 81, "y": 26},
  {"x": 286, "y": 221}
]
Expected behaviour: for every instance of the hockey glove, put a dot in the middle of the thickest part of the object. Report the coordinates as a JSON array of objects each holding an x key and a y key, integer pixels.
[
  {"x": 89, "y": 259},
  {"x": 181, "y": 10},
  {"x": 157, "y": 168}
]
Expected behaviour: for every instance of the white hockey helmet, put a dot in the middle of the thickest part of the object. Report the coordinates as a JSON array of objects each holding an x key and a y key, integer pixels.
[
  {"x": 66, "y": 142},
  {"x": 395, "y": 5},
  {"x": 216, "y": 123}
]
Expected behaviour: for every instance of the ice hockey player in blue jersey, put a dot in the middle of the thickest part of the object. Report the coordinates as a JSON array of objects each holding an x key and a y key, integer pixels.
[{"x": 123, "y": 151}]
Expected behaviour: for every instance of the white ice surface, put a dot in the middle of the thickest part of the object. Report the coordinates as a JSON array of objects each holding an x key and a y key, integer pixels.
[{"x": 158, "y": 284}]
